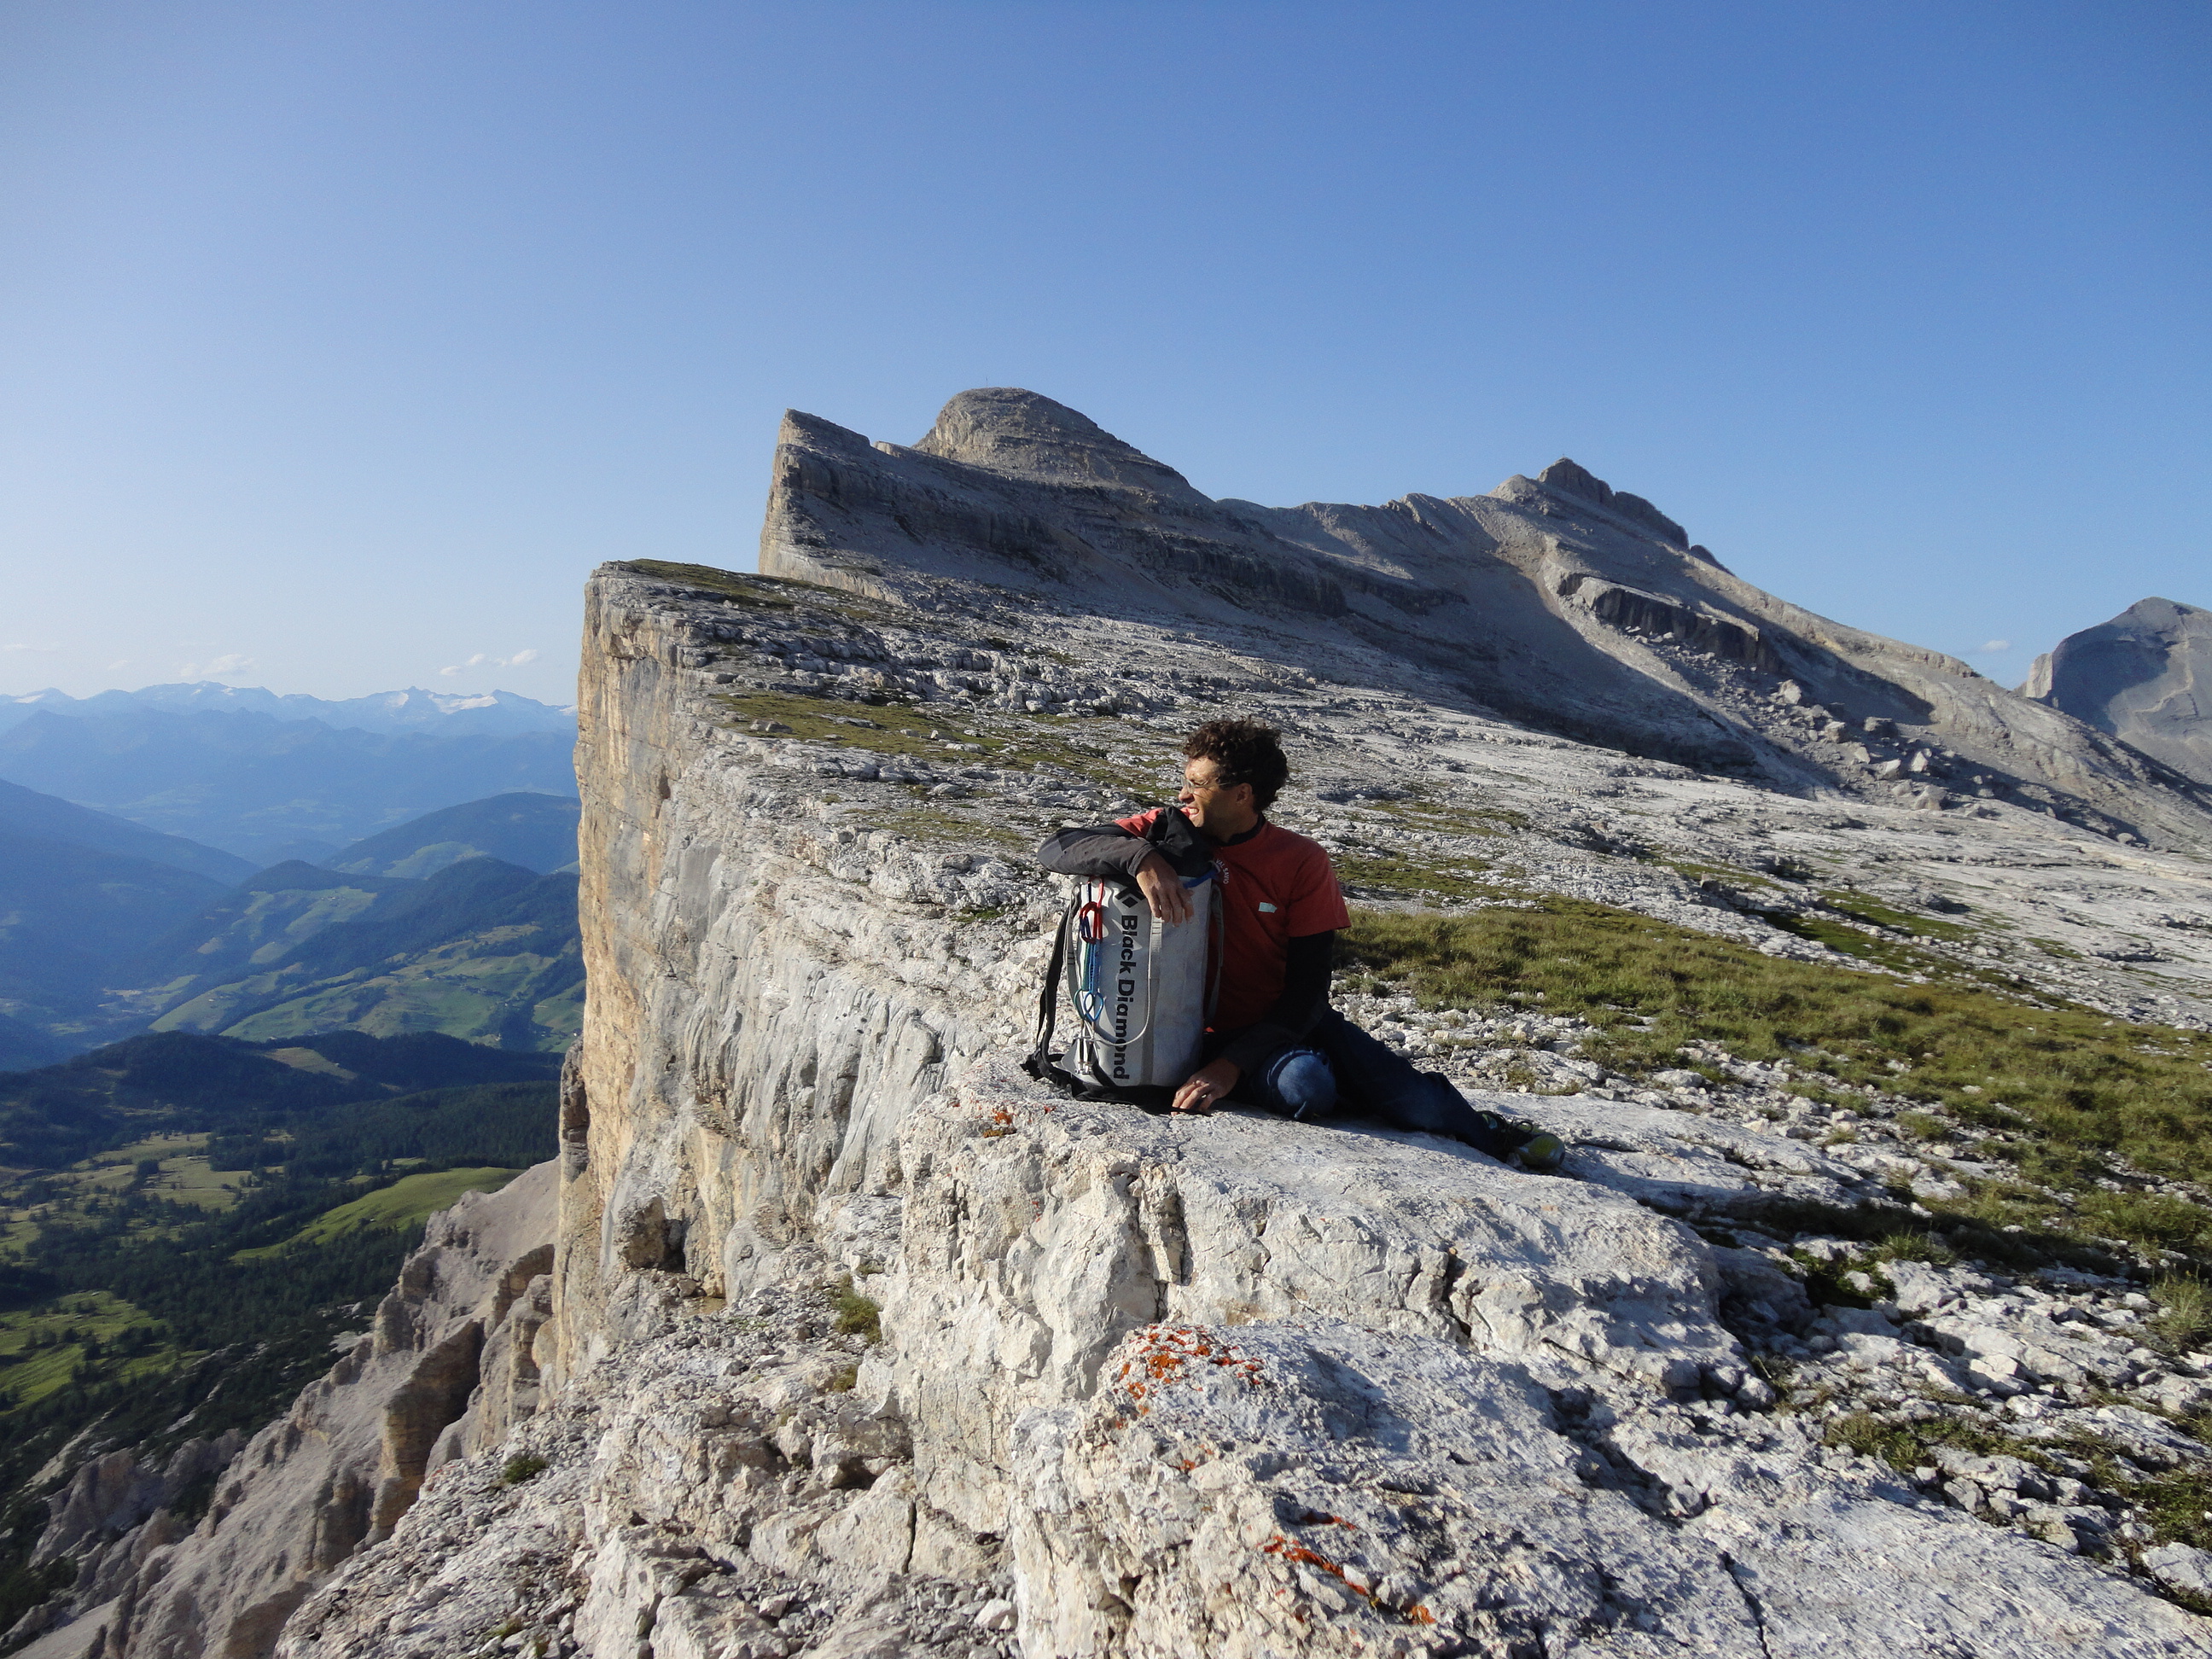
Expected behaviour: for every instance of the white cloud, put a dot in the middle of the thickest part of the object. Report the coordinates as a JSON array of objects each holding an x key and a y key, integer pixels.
[
  {"x": 1997, "y": 645},
  {"x": 230, "y": 663},
  {"x": 482, "y": 659},
  {"x": 18, "y": 645}
]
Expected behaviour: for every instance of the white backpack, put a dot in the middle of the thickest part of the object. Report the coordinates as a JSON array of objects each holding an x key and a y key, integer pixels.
[{"x": 1142, "y": 990}]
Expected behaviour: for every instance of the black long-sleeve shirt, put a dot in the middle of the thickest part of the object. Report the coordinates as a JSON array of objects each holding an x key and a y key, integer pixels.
[{"x": 1108, "y": 850}]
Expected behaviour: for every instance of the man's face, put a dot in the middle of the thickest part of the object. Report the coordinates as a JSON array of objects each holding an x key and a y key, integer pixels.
[{"x": 1220, "y": 812}]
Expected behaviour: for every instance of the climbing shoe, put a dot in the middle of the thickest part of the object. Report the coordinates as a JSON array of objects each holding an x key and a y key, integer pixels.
[
  {"x": 1509, "y": 1142},
  {"x": 1541, "y": 1153}
]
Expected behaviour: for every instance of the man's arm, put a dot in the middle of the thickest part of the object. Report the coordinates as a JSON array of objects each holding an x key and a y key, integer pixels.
[
  {"x": 1099, "y": 850},
  {"x": 1107, "y": 850},
  {"x": 1305, "y": 995}
]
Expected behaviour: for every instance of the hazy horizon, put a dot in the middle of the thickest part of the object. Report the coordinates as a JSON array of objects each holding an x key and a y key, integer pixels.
[{"x": 242, "y": 685}]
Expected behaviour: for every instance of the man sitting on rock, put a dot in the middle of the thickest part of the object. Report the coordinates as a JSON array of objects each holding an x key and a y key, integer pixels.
[{"x": 1275, "y": 1042}]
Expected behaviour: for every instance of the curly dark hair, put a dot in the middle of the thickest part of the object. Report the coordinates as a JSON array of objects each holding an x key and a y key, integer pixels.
[{"x": 1243, "y": 752}]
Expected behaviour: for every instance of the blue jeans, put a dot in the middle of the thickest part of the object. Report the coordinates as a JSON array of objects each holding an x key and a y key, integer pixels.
[{"x": 1339, "y": 1066}]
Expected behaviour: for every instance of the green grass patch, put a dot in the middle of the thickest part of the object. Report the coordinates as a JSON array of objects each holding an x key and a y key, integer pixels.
[
  {"x": 410, "y": 1200},
  {"x": 2159, "y": 1220},
  {"x": 758, "y": 592},
  {"x": 2063, "y": 1090},
  {"x": 520, "y": 1468},
  {"x": 1402, "y": 875},
  {"x": 1907, "y": 1445},
  {"x": 2184, "y": 1320},
  {"x": 897, "y": 728},
  {"x": 1910, "y": 1246},
  {"x": 1417, "y": 811},
  {"x": 47, "y": 1348},
  {"x": 1112, "y": 759},
  {"x": 1858, "y": 907},
  {"x": 857, "y": 1314},
  {"x": 2177, "y": 1503},
  {"x": 1724, "y": 872},
  {"x": 937, "y": 825},
  {"x": 2176, "y": 1500}
]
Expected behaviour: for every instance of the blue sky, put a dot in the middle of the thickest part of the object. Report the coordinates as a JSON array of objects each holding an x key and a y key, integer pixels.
[{"x": 338, "y": 342}]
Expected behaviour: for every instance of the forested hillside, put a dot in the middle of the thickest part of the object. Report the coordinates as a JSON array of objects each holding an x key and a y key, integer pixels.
[{"x": 186, "y": 1221}]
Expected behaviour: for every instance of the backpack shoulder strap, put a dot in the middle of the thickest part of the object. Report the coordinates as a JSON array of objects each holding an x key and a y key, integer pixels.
[{"x": 1039, "y": 1064}]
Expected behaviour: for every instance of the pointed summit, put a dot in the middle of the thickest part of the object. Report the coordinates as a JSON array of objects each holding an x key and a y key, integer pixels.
[
  {"x": 1013, "y": 431},
  {"x": 1569, "y": 479}
]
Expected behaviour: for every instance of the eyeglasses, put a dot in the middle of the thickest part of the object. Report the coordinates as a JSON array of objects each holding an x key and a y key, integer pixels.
[{"x": 1196, "y": 788}]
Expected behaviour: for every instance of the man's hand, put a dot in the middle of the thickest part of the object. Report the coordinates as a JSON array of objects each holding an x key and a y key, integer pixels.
[
  {"x": 1207, "y": 1085},
  {"x": 1163, "y": 890}
]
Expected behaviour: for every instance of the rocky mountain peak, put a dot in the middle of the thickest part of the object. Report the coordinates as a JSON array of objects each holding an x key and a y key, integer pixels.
[
  {"x": 2157, "y": 613},
  {"x": 1569, "y": 477},
  {"x": 1558, "y": 601},
  {"x": 1027, "y": 434},
  {"x": 2145, "y": 677},
  {"x": 1577, "y": 479}
]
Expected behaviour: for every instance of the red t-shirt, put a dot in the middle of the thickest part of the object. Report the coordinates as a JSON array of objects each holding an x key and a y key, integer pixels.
[{"x": 1276, "y": 886}]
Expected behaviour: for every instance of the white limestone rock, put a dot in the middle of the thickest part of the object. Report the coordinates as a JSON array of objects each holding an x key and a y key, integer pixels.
[{"x": 1284, "y": 1490}]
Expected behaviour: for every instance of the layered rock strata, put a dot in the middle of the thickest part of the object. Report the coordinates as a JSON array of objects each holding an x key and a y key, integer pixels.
[{"x": 1556, "y": 601}]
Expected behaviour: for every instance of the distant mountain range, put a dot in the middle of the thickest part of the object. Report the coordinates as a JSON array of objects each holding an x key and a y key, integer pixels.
[
  {"x": 69, "y": 916},
  {"x": 449, "y": 713},
  {"x": 25, "y": 813},
  {"x": 482, "y": 949},
  {"x": 266, "y": 787},
  {"x": 462, "y": 922},
  {"x": 537, "y": 832}
]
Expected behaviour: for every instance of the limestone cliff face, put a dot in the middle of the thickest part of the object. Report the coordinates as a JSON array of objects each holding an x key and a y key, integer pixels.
[
  {"x": 772, "y": 990},
  {"x": 1229, "y": 1385}
]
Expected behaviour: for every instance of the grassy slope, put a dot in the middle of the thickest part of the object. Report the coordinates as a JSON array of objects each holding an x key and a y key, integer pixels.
[
  {"x": 516, "y": 981},
  {"x": 2062, "y": 1092},
  {"x": 43, "y": 1348},
  {"x": 413, "y": 1199}
]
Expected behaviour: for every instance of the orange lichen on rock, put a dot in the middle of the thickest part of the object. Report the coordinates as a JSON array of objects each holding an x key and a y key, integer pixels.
[
  {"x": 1291, "y": 1550},
  {"x": 1353, "y": 1579},
  {"x": 1172, "y": 1353}
]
